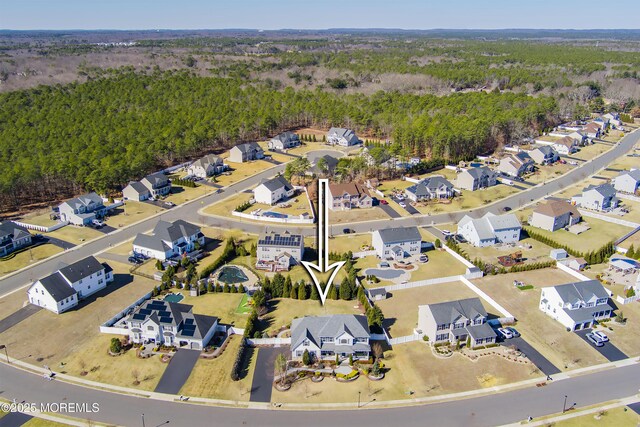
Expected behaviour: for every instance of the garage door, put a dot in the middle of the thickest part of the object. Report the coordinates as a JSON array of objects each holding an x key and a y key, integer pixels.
[{"x": 195, "y": 346}]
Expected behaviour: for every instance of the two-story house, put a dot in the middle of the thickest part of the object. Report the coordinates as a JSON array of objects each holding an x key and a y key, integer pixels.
[
  {"x": 544, "y": 155},
  {"x": 490, "y": 229},
  {"x": 324, "y": 337},
  {"x": 157, "y": 183},
  {"x": 592, "y": 130},
  {"x": 82, "y": 209},
  {"x": 456, "y": 322},
  {"x": 349, "y": 195},
  {"x": 627, "y": 181},
  {"x": 273, "y": 190},
  {"x": 434, "y": 187},
  {"x": 278, "y": 252},
  {"x": 12, "y": 237},
  {"x": 136, "y": 191},
  {"x": 576, "y": 305},
  {"x": 171, "y": 324},
  {"x": 246, "y": 152},
  {"x": 516, "y": 164},
  {"x": 397, "y": 243},
  {"x": 342, "y": 137},
  {"x": 63, "y": 289},
  {"x": 169, "y": 239},
  {"x": 207, "y": 166},
  {"x": 554, "y": 215},
  {"x": 473, "y": 179},
  {"x": 597, "y": 197},
  {"x": 284, "y": 141}
]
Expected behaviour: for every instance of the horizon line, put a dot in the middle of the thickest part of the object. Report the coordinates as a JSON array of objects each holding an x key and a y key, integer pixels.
[{"x": 324, "y": 29}]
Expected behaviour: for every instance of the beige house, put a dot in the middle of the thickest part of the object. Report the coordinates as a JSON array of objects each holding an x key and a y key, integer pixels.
[
  {"x": 473, "y": 179},
  {"x": 348, "y": 196},
  {"x": 554, "y": 215}
]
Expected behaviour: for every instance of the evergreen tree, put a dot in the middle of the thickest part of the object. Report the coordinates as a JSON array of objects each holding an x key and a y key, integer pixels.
[
  {"x": 631, "y": 252},
  {"x": 345, "y": 290},
  {"x": 294, "y": 292},
  {"x": 314, "y": 291},
  {"x": 333, "y": 292},
  {"x": 302, "y": 292},
  {"x": 286, "y": 289}
]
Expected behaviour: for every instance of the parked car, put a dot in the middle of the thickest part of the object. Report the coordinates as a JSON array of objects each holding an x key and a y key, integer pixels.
[
  {"x": 348, "y": 231},
  {"x": 506, "y": 209},
  {"x": 513, "y": 331},
  {"x": 446, "y": 232},
  {"x": 384, "y": 202},
  {"x": 169, "y": 204},
  {"x": 595, "y": 340},
  {"x": 134, "y": 260},
  {"x": 97, "y": 223},
  {"x": 505, "y": 333},
  {"x": 601, "y": 335},
  {"x": 402, "y": 204},
  {"x": 459, "y": 238},
  {"x": 400, "y": 197}
]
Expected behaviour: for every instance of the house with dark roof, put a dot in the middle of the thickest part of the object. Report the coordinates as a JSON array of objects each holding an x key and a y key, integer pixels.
[
  {"x": 627, "y": 181},
  {"x": 473, "y": 179},
  {"x": 207, "y": 166},
  {"x": 490, "y": 229},
  {"x": 456, "y": 321},
  {"x": 576, "y": 305},
  {"x": 348, "y": 196},
  {"x": 434, "y": 187},
  {"x": 544, "y": 155},
  {"x": 554, "y": 215},
  {"x": 284, "y": 141},
  {"x": 13, "y": 237},
  {"x": 169, "y": 240},
  {"x": 323, "y": 166},
  {"x": 170, "y": 324},
  {"x": 157, "y": 183},
  {"x": 246, "y": 152},
  {"x": 63, "y": 289},
  {"x": 516, "y": 164},
  {"x": 136, "y": 191},
  {"x": 271, "y": 191},
  {"x": 397, "y": 243},
  {"x": 341, "y": 136},
  {"x": 597, "y": 197},
  {"x": 83, "y": 209},
  {"x": 324, "y": 337},
  {"x": 279, "y": 251}
]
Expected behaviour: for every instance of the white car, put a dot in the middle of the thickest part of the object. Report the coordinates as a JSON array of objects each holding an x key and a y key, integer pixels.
[
  {"x": 505, "y": 333},
  {"x": 603, "y": 337},
  {"x": 402, "y": 204},
  {"x": 400, "y": 197}
]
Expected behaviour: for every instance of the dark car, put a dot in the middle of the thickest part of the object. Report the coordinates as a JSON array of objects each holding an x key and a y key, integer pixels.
[
  {"x": 134, "y": 260},
  {"x": 506, "y": 209},
  {"x": 348, "y": 231}
]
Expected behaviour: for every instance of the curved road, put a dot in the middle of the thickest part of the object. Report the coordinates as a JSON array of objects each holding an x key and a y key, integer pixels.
[
  {"x": 493, "y": 409},
  {"x": 189, "y": 212}
]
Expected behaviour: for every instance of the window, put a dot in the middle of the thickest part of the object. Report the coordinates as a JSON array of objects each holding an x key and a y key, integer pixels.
[
  {"x": 344, "y": 341},
  {"x": 80, "y": 282},
  {"x": 458, "y": 325},
  {"x": 443, "y": 326},
  {"x": 442, "y": 337},
  {"x": 149, "y": 328},
  {"x": 305, "y": 343}
]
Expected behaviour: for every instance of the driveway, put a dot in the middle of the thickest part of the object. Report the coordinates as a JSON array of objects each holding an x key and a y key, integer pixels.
[
  {"x": 13, "y": 319},
  {"x": 178, "y": 371},
  {"x": 635, "y": 407},
  {"x": 124, "y": 259},
  {"x": 389, "y": 211},
  {"x": 14, "y": 419},
  {"x": 437, "y": 233},
  {"x": 608, "y": 350},
  {"x": 106, "y": 229},
  {"x": 58, "y": 242},
  {"x": 408, "y": 207},
  {"x": 536, "y": 358},
  {"x": 157, "y": 203},
  {"x": 263, "y": 375}
]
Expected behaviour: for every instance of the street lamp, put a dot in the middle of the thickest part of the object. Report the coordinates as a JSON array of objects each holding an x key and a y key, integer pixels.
[
  {"x": 143, "y": 420},
  {"x": 2, "y": 346},
  {"x": 564, "y": 405},
  {"x": 359, "y": 399}
]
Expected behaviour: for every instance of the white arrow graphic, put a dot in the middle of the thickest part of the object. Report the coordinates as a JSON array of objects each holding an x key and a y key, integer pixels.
[{"x": 323, "y": 243}]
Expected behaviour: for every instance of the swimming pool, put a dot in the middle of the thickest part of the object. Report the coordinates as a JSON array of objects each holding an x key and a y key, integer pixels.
[
  {"x": 174, "y": 297},
  {"x": 231, "y": 274},
  {"x": 275, "y": 214},
  {"x": 383, "y": 274}
]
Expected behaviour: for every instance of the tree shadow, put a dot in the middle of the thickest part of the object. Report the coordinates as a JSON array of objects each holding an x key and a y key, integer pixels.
[{"x": 246, "y": 362}]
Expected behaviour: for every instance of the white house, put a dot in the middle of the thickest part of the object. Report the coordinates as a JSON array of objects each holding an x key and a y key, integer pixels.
[
  {"x": 397, "y": 243},
  {"x": 490, "y": 229},
  {"x": 283, "y": 141},
  {"x": 341, "y": 136},
  {"x": 473, "y": 179},
  {"x": 62, "y": 290},
  {"x": 613, "y": 119},
  {"x": 171, "y": 324},
  {"x": 576, "y": 305},
  {"x": 169, "y": 239},
  {"x": 207, "y": 166},
  {"x": 324, "y": 337},
  {"x": 157, "y": 183},
  {"x": 563, "y": 145},
  {"x": 627, "y": 181},
  {"x": 136, "y": 191},
  {"x": 278, "y": 252},
  {"x": 435, "y": 187},
  {"x": 600, "y": 198},
  {"x": 82, "y": 209},
  {"x": 516, "y": 164},
  {"x": 544, "y": 155},
  {"x": 273, "y": 190},
  {"x": 554, "y": 215}
]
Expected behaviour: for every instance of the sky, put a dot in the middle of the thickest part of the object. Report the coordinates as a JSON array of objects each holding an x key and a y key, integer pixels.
[{"x": 317, "y": 14}]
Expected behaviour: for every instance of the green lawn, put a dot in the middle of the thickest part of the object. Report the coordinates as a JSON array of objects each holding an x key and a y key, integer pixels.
[
  {"x": 131, "y": 212},
  {"x": 28, "y": 257},
  {"x": 537, "y": 253},
  {"x": 224, "y": 306},
  {"x": 243, "y": 306},
  {"x": 39, "y": 218},
  {"x": 75, "y": 234},
  {"x": 600, "y": 233},
  {"x": 469, "y": 200}
]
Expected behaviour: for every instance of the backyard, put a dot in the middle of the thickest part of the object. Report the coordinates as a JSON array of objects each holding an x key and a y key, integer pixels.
[
  {"x": 532, "y": 251},
  {"x": 75, "y": 234},
  {"x": 27, "y": 257},
  {"x": 130, "y": 213},
  {"x": 240, "y": 171}
]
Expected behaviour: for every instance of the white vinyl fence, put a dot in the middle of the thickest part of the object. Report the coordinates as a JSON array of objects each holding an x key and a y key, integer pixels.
[
  {"x": 288, "y": 220},
  {"x": 268, "y": 341},
  {"x": 42, "y": 228}
]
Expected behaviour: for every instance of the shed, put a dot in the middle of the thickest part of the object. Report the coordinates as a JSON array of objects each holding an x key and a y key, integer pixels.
[{"x": 558, "y": 254}]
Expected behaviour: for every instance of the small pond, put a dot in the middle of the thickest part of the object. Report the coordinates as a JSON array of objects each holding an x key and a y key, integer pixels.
[
  {"x": 231, "y": 274},
  {"x": 174, "y": 297},
  {"x": 383, "y": 274}
]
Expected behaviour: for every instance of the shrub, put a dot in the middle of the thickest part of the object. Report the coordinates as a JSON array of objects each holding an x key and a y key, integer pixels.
[
  {"x": 306, "y": 358},
  {"x": 237, "y": 364},
  {"x": 243, "y": 207},
  {"x": 115, "y": 346},
  {"x": 425, "y": 338},
  {"x": 630, "y": 293}
]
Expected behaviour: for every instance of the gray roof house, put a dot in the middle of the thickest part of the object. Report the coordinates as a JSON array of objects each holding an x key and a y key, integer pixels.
[
  {"x": 283, "y": 141},
  {"x": 576, "y": 305},
  {"x": 544, "y": 155},
  {"x": 473, "y": 179},
  {"x": 329, "y": 167},
  {"x": 246, "y": 152},
  {"x": 397, "y": 243},
  {"x": 627, "y": 181},
  {"x": 516, "y": 164},
  {"x": 206, "y": 166},
  {"x": 136, "y": 191},
  {"x": 82, "y": 209},
  {"x": 12, "y": 237},
  {"x": 597, "y": 197},
  {"x": 157, "y": 183},
  {"x": 279, "y": 251},
  {"x": 324, "y": 337},
  {"x": 171, "y": 324},
  {"x": 456, "y": 321},
  {"x": 273, "y": 190},
  {"x": 434, "y": 187},
  {"x": 61, "y": 291},
  {"x": 490, "y": 229},
  {"x": 169, "y": 239},
  {"x": 341, "y": 136}
]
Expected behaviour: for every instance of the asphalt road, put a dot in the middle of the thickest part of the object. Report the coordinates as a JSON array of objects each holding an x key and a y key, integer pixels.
[
  {"x": 489, "y": 410},
  {"x": 608, "y": 350}
]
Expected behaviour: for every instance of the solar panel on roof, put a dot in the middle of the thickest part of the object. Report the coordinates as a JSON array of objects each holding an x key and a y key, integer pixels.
[
  {"x": 163, "y": 313},
  {"x": 188, "y": 321},
  {"x": 189, "y": 333},
  {"x": 139, "y": 317},
  {"x": 145, "y": 311},
  {"x": 166, "y": 319}
]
